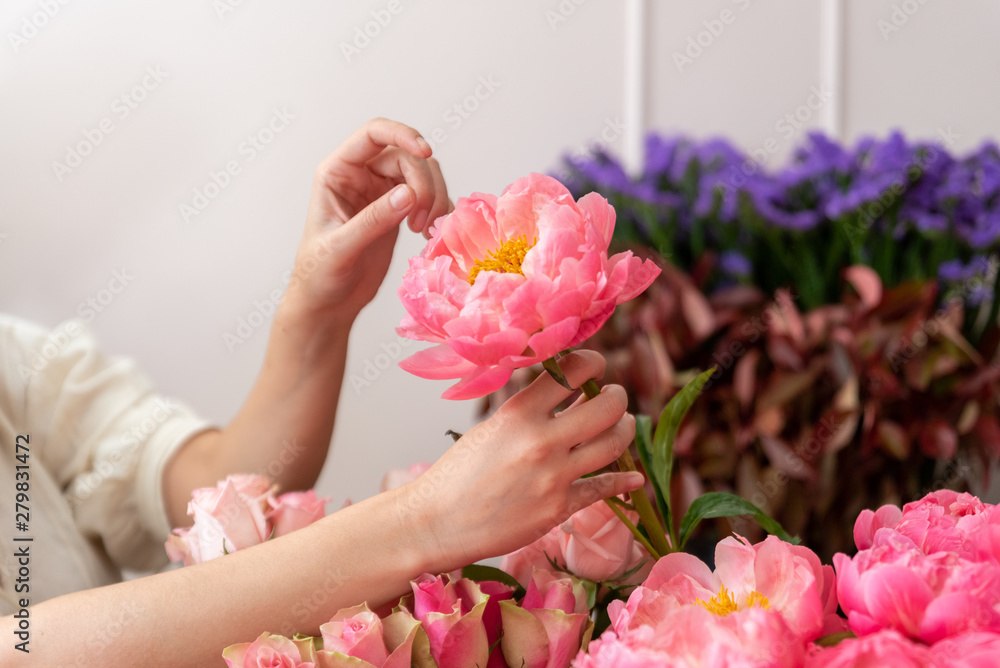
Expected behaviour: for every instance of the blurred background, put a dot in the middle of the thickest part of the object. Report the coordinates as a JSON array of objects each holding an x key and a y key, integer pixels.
[{"x": 116, "y": 115}]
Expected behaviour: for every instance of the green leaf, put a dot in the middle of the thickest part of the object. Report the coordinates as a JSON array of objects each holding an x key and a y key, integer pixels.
[
  {"x": 662, "y": 455},
  {"x": 834, "y": 638},
  {"x": 481, "y": 573},
  {"x": 724, "y": 504},
  {"x": 644, "y": 444}
]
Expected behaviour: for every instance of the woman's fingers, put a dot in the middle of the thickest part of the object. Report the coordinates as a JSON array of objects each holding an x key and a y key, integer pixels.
[
  {"x": 398, "y": 166},
  {"x": 586, "y": 491},
  {"x": 371, "y": 138},
  {"x": 589, "y": 419},
  {"x": 442, "y": 205},
  {"x": 597, "y": 452},
  {"x": 545, "y": 393}
]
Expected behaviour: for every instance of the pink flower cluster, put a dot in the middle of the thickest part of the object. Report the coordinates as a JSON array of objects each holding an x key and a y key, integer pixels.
[
  {"x": 924, "y": 589},
  {"x": 239, "y": 512},
  {"x": 592, "y": 544},
  {"x": 448, "y": 622},
  {"x": 509, "y": 281},
  {"x": 761, "y": 606}
]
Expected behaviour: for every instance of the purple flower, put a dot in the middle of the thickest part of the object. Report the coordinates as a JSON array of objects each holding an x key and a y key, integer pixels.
[{"x": 735, "y": 264}]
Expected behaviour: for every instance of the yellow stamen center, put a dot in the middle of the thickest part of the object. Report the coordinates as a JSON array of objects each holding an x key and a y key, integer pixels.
[
  {"x": 724, "y": 602},
  {"x": 507, "y": 259}
]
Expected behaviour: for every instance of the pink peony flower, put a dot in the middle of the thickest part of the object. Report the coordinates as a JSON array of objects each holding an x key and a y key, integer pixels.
[
  {"x": 691, "y": 636},
  {"x": 455, "y": 616},
  {"x": 885, "y": 648},
  {"x": 269, "y": 651},
  {"x": 354, "y": 637},
  {"x": 545, "y": 631},
  {"x": 399, "y": 477},
  {"x": 942, "y": 521},
  {"x": 592, "y": 544},
  {"x": 294, "y": 510},
  {"x": 228, "y": 517},
  {"x": 895, "y": 585},
  {"x": 507, "y": 282},
  {"x": 772, "y": 575}
]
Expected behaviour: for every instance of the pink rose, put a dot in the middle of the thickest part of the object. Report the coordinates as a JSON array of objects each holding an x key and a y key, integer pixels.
[
  {"x": 454, "y": 614},
  {"x": 354, "y": 637},
  {"x": 507, "y": 282},
  {"x": 225, "y": 520},
  {"x": 522, "y": 563},
  {"x": 294, "y": 510},
  {"x": 885, "y": 648},
  {"x": 545, "y": 630},
  {"x": 592, "y": 544},
  {"x": 772, "y": 574},
  {"x": 399, "y": 477},
  {"x": 598, "y": 546},
  {"x": 895, "y": 585},
  {"x": 692, "y": 637},
  {"x": 269, "y": 651}
]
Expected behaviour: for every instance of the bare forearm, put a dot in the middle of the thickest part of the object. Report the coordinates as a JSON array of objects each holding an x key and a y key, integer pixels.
[
  {"x": 287, "y": 585},
  {"x": 283, "y": 429}
]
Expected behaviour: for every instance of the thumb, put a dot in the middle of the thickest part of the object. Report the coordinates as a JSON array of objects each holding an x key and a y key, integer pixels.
[{"x": 379, "y": 217}]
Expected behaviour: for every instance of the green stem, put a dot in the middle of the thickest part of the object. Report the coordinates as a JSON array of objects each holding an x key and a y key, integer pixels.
[
  {"x": 647, "y": 516},
  {"x": 633, "y": 528}
]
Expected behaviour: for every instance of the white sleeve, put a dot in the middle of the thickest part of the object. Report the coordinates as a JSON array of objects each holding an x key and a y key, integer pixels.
[{"x": 106, "y": 437}]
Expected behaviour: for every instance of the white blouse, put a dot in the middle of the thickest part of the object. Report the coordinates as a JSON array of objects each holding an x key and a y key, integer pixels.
[{"x": 96, "y": 439}]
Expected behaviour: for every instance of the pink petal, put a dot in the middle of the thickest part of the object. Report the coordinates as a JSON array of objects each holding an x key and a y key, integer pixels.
[
  {"x": 734, "y": 565},
  {"x": 671, "y": 565},
  {"x": 602, "y": 215},
  {"x": 551, "y": 340},
  {"x": 437, "y": 363},
  {"x": 897, "y": 597},
  {"x": 492, "y": 349},
  {"x": 482, "y": 381}
]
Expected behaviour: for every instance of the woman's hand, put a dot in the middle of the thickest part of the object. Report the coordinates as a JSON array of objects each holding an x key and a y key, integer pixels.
[
  {"x": 361, "y": 193},
  {"x": 513, "y": 477}
]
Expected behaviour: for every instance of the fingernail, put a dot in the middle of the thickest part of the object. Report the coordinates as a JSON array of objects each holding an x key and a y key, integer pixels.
[
  {"x": 635, "y": 479},
  {"x": 422, "y": 143},
  {"x": 399, "y": 198}
]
